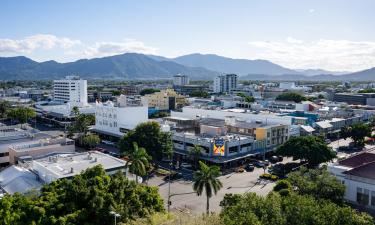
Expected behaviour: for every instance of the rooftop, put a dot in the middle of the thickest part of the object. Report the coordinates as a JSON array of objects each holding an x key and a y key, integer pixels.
[{"x": 66, "y": 165}]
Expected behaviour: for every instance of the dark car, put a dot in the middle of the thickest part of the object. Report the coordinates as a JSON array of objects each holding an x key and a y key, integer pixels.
[
  {"x": 259, "y": 164},
  {"x": 249, "y": 167},
  {"x": 274, "y": 159}
]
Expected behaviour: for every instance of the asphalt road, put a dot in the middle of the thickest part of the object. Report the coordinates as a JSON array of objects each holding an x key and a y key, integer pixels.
[{"x": 188, "y": 201}]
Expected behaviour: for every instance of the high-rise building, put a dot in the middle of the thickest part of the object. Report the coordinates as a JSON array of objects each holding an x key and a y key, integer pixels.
[
  {"x": 70, "y": 90},
  {"x": 225, "y": 83},
  {"x": 180, "y": 80}
]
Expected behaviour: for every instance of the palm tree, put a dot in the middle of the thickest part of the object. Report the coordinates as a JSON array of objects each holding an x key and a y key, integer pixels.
[
  {"x": 206, "y": 178},
  {"x": 195, "y": 153},
  {"x": 138, "y": 161}
]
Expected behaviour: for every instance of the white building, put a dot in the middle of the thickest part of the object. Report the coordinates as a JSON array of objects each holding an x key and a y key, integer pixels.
[
  {"x": 32, "y": 175},
  {"x": 357, "y": 173},
  {"x": 180, "y": 80},
  {"x": 117, "y": 118},
  {"x": 225, "y": 83},
  {"x": 72, "y": 89}
]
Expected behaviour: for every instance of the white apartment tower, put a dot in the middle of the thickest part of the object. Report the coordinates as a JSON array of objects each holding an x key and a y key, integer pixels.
[
  {"x": 225, "y": 83},
  {"x": 70, "y": 90},
  {"x": 180, "y": 80}
]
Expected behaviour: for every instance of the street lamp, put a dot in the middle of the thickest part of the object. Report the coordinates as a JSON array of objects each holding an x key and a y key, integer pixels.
[{"x": 115, "y": 215}]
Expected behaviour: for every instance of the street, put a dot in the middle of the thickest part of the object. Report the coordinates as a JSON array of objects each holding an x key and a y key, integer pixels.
[{"x": 236, "y": 183}]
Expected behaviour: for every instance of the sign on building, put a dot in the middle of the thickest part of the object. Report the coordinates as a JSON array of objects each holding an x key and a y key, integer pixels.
[{"x": 219, "y": 147}]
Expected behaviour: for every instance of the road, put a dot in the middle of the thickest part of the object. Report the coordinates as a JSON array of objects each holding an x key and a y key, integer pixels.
[{"x": 238, "y": 183}]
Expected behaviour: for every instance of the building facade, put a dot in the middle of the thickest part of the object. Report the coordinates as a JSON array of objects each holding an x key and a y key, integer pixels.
[
  {"x": 180, "y": 80},
  {"x": 225, "y": 83},
  {"x": 72, "y": 89},
  {"x": 117, "y": 118},
  {"x": 166, "y": 99}
]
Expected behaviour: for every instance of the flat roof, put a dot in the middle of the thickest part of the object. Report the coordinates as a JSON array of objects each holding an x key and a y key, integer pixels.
[{"x": 62, "y": 164}]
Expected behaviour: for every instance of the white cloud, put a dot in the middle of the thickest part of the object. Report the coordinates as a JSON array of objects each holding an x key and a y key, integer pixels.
[
  {"x": 100, "y": 49},
  {"x": 338, "y": 55},
  {"x": 75, "y": 49},
  {"x": 311, "y": 10},
  {"x": 35, "y": 42}
]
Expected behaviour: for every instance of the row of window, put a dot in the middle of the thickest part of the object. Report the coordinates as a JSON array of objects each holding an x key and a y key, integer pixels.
[
  {"x": 364, "y": 198},
  {"x": 106, "y": 123},
  {"x": 4, "y": 154}
]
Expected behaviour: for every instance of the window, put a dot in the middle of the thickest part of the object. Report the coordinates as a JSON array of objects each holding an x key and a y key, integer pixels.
[
  {"x": 3, "y": 154},
  {"x": 233, "y": 149},
  {"x": 362, "y": 196},
  {"x": 373, "y": 198}
]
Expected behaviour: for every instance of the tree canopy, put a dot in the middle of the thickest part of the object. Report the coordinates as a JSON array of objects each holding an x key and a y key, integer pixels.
[
  {"x": 200, "y": 94},
  {"x": 291, "y": 96},
  {"x": 357, "y": 132},
  {"x": 149, "y": 136},
  {"x": 368, "y": 90},
  {"x": 148, "y": 91},
  {"x": 310, "y": 148},
  {"x": 317, "y": 183},
  {"x": 22, "y": 114},
  {"x": 85, "y": 199},
  {"x": 290, "y": 209}
]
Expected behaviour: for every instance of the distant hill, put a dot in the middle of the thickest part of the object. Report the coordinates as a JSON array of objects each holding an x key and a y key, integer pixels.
[
  {"x": 134, "y": 66},
  {"x": 229, "y": 65},
  {"x": 125, "y": 66},
  {"x": 314, "y": 72}
]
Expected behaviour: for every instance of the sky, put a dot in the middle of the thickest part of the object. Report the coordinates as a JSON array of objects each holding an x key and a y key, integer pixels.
[{"x": 336, "y": 35}]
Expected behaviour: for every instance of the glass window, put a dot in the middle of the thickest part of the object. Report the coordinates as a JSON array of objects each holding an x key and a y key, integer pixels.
[
  {"x": 362, "y": 196},
  {"x": 372, "y": 198}
]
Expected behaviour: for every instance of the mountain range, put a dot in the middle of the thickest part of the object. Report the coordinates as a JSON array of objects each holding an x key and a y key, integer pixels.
[{"x": 139, "y": 66}]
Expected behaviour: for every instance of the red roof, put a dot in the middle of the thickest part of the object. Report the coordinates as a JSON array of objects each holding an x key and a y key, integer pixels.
[
  {"x": 366, "y": 171},
  {"x": 358, "y": 160}
]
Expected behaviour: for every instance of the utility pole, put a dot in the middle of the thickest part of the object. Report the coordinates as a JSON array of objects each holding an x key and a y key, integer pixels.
[{"x": 169, "y": 182}]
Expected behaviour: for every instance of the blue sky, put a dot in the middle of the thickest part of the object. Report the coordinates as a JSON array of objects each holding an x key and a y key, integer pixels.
[{"x": 330, "y": 34}]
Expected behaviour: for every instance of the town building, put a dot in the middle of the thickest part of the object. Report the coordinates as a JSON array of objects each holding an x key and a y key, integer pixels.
[
  {"x": 166, "y": 99},
  {"x": 355, "y": 98},
  {"x": 225, "y": 83},
  {"x": 71, "y": 89},
  {"x": 180, "y": 80},
  {"x": 116, "y": 118},
  {"x": 34, "y": 149},
  {"x": 358, "y": 176},
  {"x": 190, "y": 88},
  {"x": 31, "y": 175}
]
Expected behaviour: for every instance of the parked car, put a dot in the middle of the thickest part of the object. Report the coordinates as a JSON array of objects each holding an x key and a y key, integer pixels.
[
  {"x": 259, "y": 164},
  {"x": 240, "y": 169},
  {"x": 274, "y": 159},
  {"x": 249, "y": 167},
  {"x": 266, "y": 162},
  {"x": 108, "y": 143}
]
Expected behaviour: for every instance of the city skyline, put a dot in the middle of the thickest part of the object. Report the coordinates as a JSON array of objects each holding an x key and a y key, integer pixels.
[{"x": 332, "y": 35}]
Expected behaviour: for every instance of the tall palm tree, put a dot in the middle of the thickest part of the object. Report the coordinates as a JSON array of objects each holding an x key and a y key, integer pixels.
[
  {"x": 138, "y": 161},
  {"x": 195, "y": 153},
  {"x": 206, "y": 178}
]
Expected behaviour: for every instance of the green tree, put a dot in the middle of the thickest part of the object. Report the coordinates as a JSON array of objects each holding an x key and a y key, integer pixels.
[
  {"x": 147, "y": 91},
  {"x": 75, "y": 111},
  {"x": 195, "y": 154},
  {"x": 206, "y": 178},
  {"x": 84, "y": 199},
  {"x": 357, "y": 132},
  {"x": 4, "y": 106},
  {"x": 149, "y": 136},
  {"x": 200, "y": 94},
  {"x": 283, "y": 187},
  {"x": 318, "y": 183},
  {"x": 91, "y": 140},
  {"x": 310, "y": 148},
  {"x": 137, "y": 161},
  {"x": 290, "y": 209},
  {"x": 246, "y": 98},
  {"x": 21, "y": 114},
  {"x": 291, "y": 96},
  {"x": 81, "y": 126}
]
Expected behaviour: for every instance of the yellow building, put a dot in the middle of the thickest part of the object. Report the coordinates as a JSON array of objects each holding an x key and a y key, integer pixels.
[
  {"x": 165, "y": 100},
  {"x": 273, "y": 134}
]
